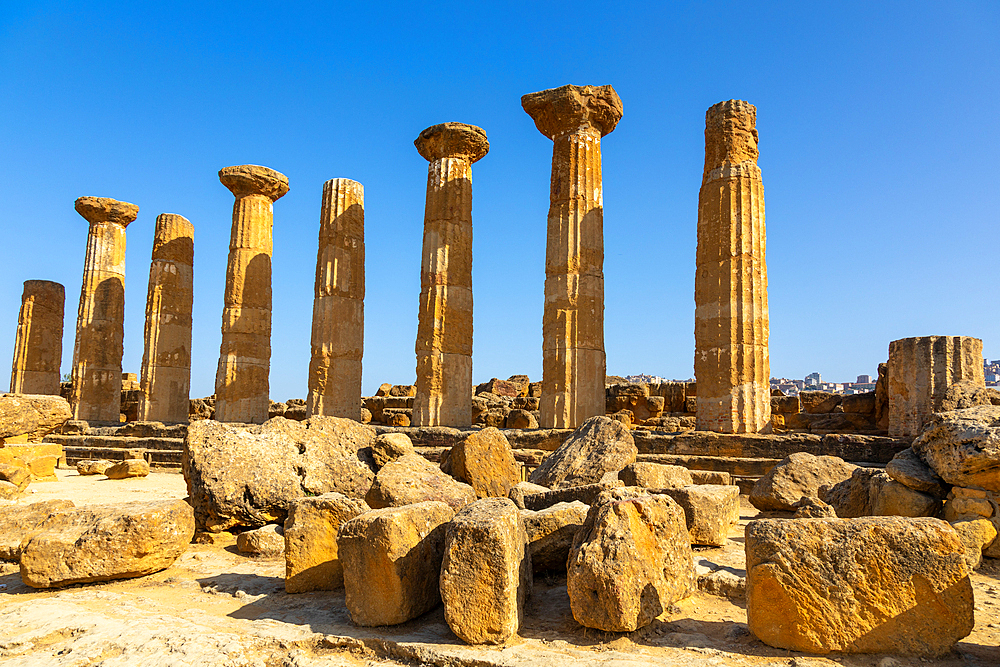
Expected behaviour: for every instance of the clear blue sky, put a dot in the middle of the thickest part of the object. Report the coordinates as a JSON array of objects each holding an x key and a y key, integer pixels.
[{"x": 878, "y": 137}]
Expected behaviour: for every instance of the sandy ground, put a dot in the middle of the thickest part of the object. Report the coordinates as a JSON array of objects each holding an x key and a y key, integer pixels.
[{"x": 215, "y": 606}]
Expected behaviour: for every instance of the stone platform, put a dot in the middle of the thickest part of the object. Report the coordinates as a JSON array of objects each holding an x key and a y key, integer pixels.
[{"x": 162, "y": 444}]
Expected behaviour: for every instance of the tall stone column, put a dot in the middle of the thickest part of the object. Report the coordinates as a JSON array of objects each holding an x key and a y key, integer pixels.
[
  {"x": 100, "y": 332},
  {"x": 166, "y": 358},
  {"x": 573, "y": 363},
  {"x": 38, "y": 347},
  {"x": 241, "y": 382},
  {"x": 338, "y": 325},
  {"x": 731, "y": 363},
  {"x": 444, "y": 329},
  {"x": 921, "y": 369}
]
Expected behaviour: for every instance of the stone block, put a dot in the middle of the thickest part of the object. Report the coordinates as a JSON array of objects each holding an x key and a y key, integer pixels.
[
  {"x": 311, "y": 557},
  {"x": 655, "y": 475},
  {"x": 16, "y": 521},
  {"x": 598, "y": 447},
  {"x": 551, "y": 532},
  {"x": 710, "y": 511}
]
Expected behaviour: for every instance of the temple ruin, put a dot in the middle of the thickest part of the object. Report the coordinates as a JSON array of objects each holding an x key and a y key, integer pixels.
[{"x": 38, "y": 346}]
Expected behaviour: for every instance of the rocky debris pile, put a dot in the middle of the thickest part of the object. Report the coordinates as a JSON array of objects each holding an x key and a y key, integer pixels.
[
  {"x": 25, "y": 419},
  {"x": 901, "y": 585},
  {"x": 825, "y": 412}
]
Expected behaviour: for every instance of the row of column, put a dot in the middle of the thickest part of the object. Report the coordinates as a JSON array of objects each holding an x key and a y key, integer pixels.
[{"x": 731, "y": 353}]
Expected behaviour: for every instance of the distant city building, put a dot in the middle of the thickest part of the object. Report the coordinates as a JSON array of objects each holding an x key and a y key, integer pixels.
[
  {"x": 864, "y": 379},
  {"x": 814, "y": 379}
]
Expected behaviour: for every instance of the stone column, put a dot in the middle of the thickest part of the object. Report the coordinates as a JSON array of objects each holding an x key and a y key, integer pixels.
[
  {"x": 338, "y": 325},
  {"x": 100, "y": 333},
  {"x": 920, "y": 372},
  {"x": 573, "y": 364},
  {"x": 444, "y": 329},
  {"x": 241, "y": 382},
  {"x": 731, "y": 363},
  {"x": 38, "y": 347},
  {"x": 166, "y": 358}
]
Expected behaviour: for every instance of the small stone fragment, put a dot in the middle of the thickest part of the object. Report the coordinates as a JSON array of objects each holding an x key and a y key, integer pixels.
[
  {"x": 128, "y": 468},
  {"x": 975, "y": 534},
  {"x": 93, "y": 466},
  {"x": 390, "y": 446},
  {"x": 16, "y": 475},
  {"x": 392, "y": 562},
  {"x": 311, "y": 560},
  {"x": 486, "y": 572},
  {"x": 551, "y": 532},
  {"x": 267, "y": 540},
  {"x": 908, "y": 468},
  {"x": 813, "y": 508},
  {"x": 522, "y": 489}
]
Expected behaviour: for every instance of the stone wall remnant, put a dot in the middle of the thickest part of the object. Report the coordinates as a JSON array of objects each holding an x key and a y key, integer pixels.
[
  {"x": 919, "y": 373},
  {"x": 166, "y": 358},
  {"x": 97, "y": 354},
  {"x": 731, "y": 363},
  {"x": 573, "y": 362},
  {"x": 38, "y": 347},
  {"x": 241, "y": 382},
  {"x": 444, "y": 330},
  {"x": 338, "y": 325}
]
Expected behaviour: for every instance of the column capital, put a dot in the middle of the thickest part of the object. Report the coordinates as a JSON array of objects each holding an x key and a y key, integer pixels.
[
  {"x": 730, "y": 134},
  {"x": 452, "y": 140},
  {"x": 570, "y": 108},
  {"x": 252, "y": 179},
  {"x": 104, "y": 209}
]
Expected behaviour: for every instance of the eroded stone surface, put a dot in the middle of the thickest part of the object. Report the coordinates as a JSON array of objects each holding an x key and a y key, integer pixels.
[
  {"x": 902, "y": 585},
  {"x": 484, "y": 460},
  {"x": 16, "y": 521},
  {"x": 796, "y": 476},
  {"x": 710, "y": 511},
  {"x": 655, "y": 475},
  {"x": 963, "y": 446},
  {"x": 128, "y": 468},
  {"x": 908, "y": 468},
  {"x": 600, "y": 446},
  {"x": 38, "y": 346},
  {"x": 31, "y": 417},
  {"x": 551, "y": 532},
  {"x": 413, "y": 479},
  {"x": 311, "y": 558}
]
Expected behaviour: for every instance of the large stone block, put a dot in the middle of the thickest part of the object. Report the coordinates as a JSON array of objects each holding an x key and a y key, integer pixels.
[
  {"x": 599, "y": 446},
  {"x": 311, "y": 559},
  {"x": 906, "y": 467},
  {"x": 551, "y": 532},
  {"x": 392, "y": 562},
  {"x": 104, "y": 542},
  {"x": 655, "y": 475},
  {"x": 630, "y": 561},
  {"x": 485, "y": 461},
  {"x": 30, "y": 417},
  {"x": 870, "y": 585},
  {"x": 710, "y": 510},
  {"x": 486, "y": 572},
  {"x": 16, "y": 521},
  {"x": 963, "y": 446},
  {"x": 796, "y": 476},
  {"x": 413, "y": 479}
]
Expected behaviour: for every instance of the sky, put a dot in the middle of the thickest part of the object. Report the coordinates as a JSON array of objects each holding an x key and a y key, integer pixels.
[{"x": 877, "y": 125}]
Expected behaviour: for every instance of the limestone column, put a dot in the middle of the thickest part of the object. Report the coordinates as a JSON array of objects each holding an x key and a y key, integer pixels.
[
  {"x": 100, "y": 333},
  {"x": 573, "y": 363},
  {"x": 166, "y": 358},
  {"x": 444, "y": 329},
  {"x": 38, "y": 347},
  {"x": 241, "y": 382},
  {"x": 338, "y": 324},
  {"x": 921, "y": 369},
  {"x": 731, "y": 363}
]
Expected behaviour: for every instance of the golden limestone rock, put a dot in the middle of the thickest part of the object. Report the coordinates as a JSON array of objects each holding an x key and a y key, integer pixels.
[
  {"x": 550, "y": 533},
  {"x": 265, "y": 541},
  {"x": 600, "y": 446},
  {"x": 97, "y": 354},
  {"x": 38, "y": 346},
  {"x": 630, "y": 561},
  {"x": 575, "y": 118},
  {"x": 799, "y": 475},
  {"x": 241, "y": 381},
  {"x": 710, "y": 510},
  {"x": 655, "y": 475},
  {"x": 105, "y": 542},
  {"x": 338, "y": 306},
  {"x": 128, "y": 468},
  {"x": 963, "y": 446},
  {"x": 868, "y": 585},
  {"x": 16, "y": 521},
  {"x": 444, "y": 329},
  {"x": 485, "y": 461},
  {"x": 166, "y": 359},
  {"x": 30, "y": 417},
  {"x": 392, "y": 562},
  {"x": 412, "y": 479},
  {"x": 486, "y": 572},
  {"x": 731, "y": 360},
  {"x": 311, "y": 559}
]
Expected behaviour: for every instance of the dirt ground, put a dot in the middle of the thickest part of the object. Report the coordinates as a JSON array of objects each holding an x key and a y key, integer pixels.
[{"x": 215, "y": 606}]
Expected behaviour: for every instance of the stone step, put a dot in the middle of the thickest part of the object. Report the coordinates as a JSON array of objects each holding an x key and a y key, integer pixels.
[
  {"x": 126, "y": 430},
  {"x": 158, "y": 458},
  {"x": 117, "y": 442}
]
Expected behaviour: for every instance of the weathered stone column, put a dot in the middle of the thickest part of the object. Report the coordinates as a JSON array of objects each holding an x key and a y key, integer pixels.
[
  {"x": 731, "y": 363},
  {"x": 573, "y": 363},
  {"x": 38, "y": 347},
  {"x": 241, "y": 383},
  {"x": 166, "y": 358},
  {"x": 444, "y": 329},
  {"x": 921, "y": 370},
  {"x": 338, "y": 325},
  {"x": 100, "y": 333}
]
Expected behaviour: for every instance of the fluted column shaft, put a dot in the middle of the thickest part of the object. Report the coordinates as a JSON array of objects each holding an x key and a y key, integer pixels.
[
  {"x": 573, "y": 359},
  {"x": 38, "y": 346},
  {"x": 166, "y": 359},
  {"x": 338, "y": 323},
  {"x": 444, "y": 329},
  {"x": 919, "y": 372},
  {"x": 731, "y": 364},
  {"x": 100, "y": 333},
  {"x": 241, "y": 382}
]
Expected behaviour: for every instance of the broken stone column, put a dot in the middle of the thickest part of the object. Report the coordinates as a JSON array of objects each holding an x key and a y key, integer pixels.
[
  {"x": 100, "y": 333},
  {"x": 921, "y": 370},
  {"x": 573, "y": 362},
  {"x": 444, "y": 330},
  {"x": 241, "y": 382},
  {"x": 338, "y": 324},
  {"x": 731, "y": 363},
  {"x": 166, "y": 358},
  {"x": 38, "y": 347}
]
